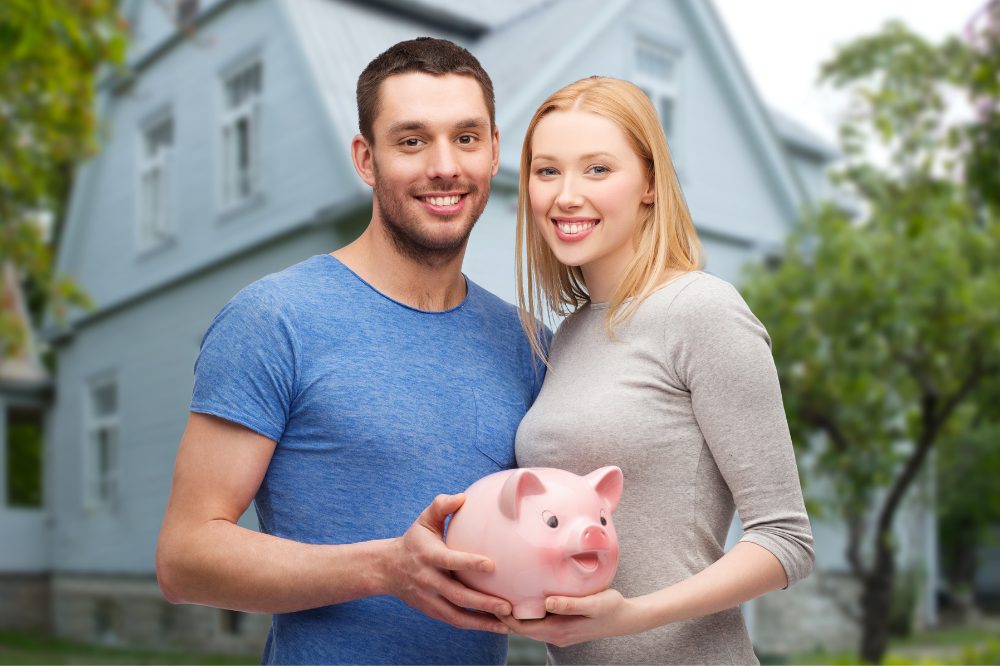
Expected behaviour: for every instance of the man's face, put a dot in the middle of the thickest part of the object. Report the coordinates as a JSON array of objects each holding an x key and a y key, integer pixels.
[{"x": 433, "y": 158}]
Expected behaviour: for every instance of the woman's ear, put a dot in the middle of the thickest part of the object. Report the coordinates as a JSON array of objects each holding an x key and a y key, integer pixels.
[{"x": 649, "y": 196}]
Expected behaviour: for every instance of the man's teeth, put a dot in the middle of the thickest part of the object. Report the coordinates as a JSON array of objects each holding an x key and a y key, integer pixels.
[
  {"x": 574, "y": 228},
  {"x": 443, "y": 201}
]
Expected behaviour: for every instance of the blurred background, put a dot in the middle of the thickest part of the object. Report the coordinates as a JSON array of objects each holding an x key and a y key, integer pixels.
[{"x": 841, "y": 162}]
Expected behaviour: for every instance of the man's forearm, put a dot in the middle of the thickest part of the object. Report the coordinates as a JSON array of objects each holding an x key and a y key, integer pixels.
[{"x": 221, "y": 564}]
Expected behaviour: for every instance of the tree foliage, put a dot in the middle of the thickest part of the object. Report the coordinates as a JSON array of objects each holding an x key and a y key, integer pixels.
[
  {"x": 50, "y": 54},
  {"x": 885, "y": 324}
]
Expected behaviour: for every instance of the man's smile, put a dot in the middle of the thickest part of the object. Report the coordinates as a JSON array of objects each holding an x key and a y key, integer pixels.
[{"x": 443, "y": 203}]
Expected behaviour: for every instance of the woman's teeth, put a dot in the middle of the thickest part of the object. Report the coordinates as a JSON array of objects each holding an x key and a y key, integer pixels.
[
  {"x": 443, "y": 201},
  {"x": 574, "y": 228}
]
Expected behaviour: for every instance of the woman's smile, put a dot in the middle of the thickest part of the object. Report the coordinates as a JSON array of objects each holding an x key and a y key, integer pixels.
[{"x": 573, "y": 229}]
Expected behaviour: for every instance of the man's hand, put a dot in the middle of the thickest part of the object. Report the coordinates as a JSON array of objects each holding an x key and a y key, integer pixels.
[{"x": 419, "y": 567}]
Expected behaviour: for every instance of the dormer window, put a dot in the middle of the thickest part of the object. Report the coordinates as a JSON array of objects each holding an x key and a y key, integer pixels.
[
  {"x": 185, "y": 11},
  {"x": 157, "y": 140},
  {"x": 241, "y": 93},
  {"x": 656, "y": 73}
]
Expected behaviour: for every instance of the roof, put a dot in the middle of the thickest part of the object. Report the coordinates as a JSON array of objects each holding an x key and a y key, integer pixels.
[{"x": 800, "y": 138}]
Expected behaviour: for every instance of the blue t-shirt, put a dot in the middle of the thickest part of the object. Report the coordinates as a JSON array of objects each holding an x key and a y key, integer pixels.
[{"x": 376, "y": 408}]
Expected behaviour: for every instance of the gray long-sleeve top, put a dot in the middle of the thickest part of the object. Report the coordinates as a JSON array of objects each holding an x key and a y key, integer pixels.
[{"x": 687, "y": 403}]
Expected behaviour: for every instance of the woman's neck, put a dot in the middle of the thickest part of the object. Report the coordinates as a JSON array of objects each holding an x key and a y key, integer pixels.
[{"x": 603, "y": 274}]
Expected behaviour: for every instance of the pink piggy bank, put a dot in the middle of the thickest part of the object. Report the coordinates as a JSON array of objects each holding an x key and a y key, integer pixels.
[{"x": 548, "y": 532}]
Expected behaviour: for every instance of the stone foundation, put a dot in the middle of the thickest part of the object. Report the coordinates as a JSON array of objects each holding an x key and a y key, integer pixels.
[
  {"x": 131, "y": 611},
  {"x": 24, "y": 602}
]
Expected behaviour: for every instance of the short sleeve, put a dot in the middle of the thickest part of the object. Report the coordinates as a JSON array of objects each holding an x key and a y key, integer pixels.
[
  {"x": 245, "y": 372},
  {"x": 723, "y": 357}
]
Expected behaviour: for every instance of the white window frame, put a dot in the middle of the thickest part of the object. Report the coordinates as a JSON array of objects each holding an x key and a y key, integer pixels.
[
  {"x": 101, "y": 486},
  {"x": 238, "y": 186},
  {"x": 154, "y": 218},
  {"x": 661, "y": 90}
]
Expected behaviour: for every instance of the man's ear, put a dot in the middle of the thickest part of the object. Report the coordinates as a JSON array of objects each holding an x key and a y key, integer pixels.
[
  {"x": 364, "y": 159},
  {"x": 496, "y": 150}
]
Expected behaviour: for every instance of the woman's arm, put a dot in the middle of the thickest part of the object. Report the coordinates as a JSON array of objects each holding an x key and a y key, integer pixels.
[{"x": 745, "y": 572}]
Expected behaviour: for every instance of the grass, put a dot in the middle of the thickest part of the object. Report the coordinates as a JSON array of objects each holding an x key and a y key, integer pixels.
[
  {"x": 959, "y": 646},
  {"x": 23, "y": 648}
]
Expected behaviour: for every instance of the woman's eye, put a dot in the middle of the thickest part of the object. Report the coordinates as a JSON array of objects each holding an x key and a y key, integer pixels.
[
  {"x": 546, "y": 172},
  {"x": 599, "y": 170}
]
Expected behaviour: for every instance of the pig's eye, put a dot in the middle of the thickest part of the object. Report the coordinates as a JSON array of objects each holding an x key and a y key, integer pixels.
[
  {"x": 604, "y": 521},
  {"x": 550, "y": 519}
]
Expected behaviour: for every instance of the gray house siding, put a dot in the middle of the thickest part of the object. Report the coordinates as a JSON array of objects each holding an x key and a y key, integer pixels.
[{"x": 303, "y": 171}]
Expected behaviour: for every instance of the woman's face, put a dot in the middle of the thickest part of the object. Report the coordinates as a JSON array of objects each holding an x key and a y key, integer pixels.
[{"x": 588, "y": 190}]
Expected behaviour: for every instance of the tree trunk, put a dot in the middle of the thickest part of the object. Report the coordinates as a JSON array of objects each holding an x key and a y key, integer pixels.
[{"x": 876, "y": 602}]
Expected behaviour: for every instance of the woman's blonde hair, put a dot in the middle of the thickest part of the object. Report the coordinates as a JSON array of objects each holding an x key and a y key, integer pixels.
[{"x": 665, "y": 240}]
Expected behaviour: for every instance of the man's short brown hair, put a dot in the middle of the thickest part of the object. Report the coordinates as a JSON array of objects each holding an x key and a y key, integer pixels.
[{"x": 423, "y": 54}]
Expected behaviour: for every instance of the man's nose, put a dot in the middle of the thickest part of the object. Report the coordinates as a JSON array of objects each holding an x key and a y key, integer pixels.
[{"x": 443, "y": 164}]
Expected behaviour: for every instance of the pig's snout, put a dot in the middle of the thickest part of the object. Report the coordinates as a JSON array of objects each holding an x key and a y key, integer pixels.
[{"x": 594, "y": 538}]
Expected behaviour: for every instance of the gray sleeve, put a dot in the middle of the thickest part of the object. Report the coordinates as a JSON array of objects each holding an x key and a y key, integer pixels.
[{"x": 722, "y": 354}]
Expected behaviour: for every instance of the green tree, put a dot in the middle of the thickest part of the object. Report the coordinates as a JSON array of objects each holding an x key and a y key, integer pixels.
[
  {"x": 885, "y": 324},
  {"x": 50, "y": 54}
]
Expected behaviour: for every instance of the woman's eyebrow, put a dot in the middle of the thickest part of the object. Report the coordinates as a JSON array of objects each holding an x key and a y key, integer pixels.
[{"x": 582, "y": 158}]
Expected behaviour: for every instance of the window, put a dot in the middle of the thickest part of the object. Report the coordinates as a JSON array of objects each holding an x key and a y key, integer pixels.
[
  {"x": 154, "y": 182},
  {"x": 24, "y": 457},
  {"x": 656, "y": 73},
  {"x": 102, "y": 444},
  {"x": 241, "y": 91},
  {"x": 185, "y": 11}
]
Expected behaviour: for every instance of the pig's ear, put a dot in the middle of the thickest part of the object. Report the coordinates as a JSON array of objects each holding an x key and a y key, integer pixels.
[
  {"x": 608, "y": 482},
  {"x": 520, "y": 484}
]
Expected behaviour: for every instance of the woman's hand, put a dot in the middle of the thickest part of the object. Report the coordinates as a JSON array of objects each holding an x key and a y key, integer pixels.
[{"x": 577, "y": 619}]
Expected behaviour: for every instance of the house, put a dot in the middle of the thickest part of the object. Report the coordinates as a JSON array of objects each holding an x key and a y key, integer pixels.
[{"x": 226, "y": 159}]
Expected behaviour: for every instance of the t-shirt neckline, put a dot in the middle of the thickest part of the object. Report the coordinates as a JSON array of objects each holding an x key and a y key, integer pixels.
[{"x": 468, "y": 291}]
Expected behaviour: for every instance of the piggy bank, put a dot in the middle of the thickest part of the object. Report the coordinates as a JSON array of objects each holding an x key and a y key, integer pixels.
[{"x": 548, "y": 532}]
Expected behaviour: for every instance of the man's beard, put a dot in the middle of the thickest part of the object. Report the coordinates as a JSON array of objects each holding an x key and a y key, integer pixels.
[{"x": 408, "y": 235}]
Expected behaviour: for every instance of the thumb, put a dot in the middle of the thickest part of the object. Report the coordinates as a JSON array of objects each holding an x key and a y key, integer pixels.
[
  {"x": 441, "y": 507},
  {"x": 568, "y": 605}
]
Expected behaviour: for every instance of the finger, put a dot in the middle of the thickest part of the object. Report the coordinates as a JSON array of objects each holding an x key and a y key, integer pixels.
[
  {"x": 465, "y": 619},
  {"x": 569, "y": 605},
  {"x": 443, "y": 505},
  {"x": 444, "y": 557},
  {"x": 463, "y": 597}
]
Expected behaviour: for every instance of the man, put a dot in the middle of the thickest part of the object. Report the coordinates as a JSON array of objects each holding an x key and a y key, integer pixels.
[{"x": 346, "y": 392}]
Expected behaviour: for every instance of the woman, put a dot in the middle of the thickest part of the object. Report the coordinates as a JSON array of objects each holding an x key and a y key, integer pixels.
[{"x": 660, "y": 369}]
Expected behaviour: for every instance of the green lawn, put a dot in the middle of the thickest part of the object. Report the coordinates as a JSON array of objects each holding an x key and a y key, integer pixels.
[
  {"x": 23, "y": 648},
  {"x": 947, "y": 646}
]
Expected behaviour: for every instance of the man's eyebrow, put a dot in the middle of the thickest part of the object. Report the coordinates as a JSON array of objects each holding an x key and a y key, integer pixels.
[
  {"x": 407, "y": 126},
  {"x": 412, "y": 125},
  {"x": 469, "y": 123}
]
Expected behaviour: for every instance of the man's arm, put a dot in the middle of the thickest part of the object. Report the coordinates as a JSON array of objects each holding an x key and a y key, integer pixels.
[{"x": 204, "y": 557}]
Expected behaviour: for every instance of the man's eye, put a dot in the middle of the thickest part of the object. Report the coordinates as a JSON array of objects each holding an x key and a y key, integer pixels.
[
  {"x": 466, "y": 140},
  {"x": 412, "y": 142}
]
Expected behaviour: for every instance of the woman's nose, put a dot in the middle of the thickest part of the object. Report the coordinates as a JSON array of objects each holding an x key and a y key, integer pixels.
[{"x": 569, "y": 197}]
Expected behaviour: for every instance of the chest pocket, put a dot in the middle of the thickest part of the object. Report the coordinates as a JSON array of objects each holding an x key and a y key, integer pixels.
[{"x": 496, "y": 425}]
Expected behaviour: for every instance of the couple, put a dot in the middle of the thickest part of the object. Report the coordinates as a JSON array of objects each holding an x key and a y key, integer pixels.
[{"x": 355, "y": 395}]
